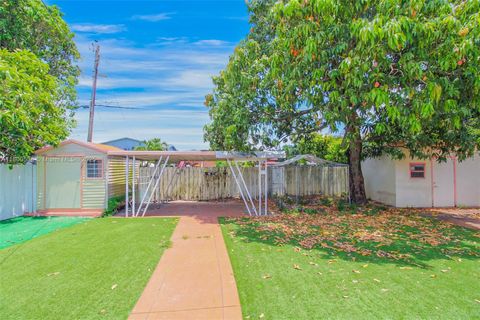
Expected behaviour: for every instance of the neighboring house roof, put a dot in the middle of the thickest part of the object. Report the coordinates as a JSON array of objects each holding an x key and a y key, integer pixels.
[
  {"x": 103, "y": 148},
  {"x": 122, "y": 139}
]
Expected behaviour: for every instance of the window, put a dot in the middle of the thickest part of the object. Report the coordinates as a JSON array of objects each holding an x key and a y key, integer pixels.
[
  {"x": 94, "y": 168},
  {"x": 417, "y": 170}
]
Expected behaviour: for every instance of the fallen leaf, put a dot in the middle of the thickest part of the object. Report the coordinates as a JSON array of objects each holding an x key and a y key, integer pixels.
[
  {"x": 332, "y": 261},
  {"x": 365, "y": 266},
  {"x": 114, "y": 286},
  {"x": 345, "y": 297},
  {"x": 53, "y": 274},
  {"x": 406, "y": 268},
  {"x": 261, "y": 316},
  {"x": 355, "y": 281},
  {"x": 477, "y": 300},
  {"x": 444, "y": 270},
  {"x": 376, "y": 280},
  {"x": 319, "y": 273},
  {"x": 385, "y": 290},
  {"x": 266, "y": 276},
  {"x": 296, "y": 267},
  {"x": 313, "y": 263},
  {"x": 355, "y": 271},
  {"x": 433, "y": 276}
]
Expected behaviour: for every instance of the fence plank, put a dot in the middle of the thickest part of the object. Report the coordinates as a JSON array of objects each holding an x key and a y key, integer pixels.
[
  {"x": 17, "y": 190},
  {"x": 218, "y": 183}
]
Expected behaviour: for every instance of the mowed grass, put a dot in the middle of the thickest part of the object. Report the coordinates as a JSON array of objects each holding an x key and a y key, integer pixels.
[
  {"x": 93, "y": 270},
  {"x": 279, "y": 280}
]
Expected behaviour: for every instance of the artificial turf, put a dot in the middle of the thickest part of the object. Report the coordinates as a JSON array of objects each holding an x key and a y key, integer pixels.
[
  {"x": 93, "y": 270},
  {"x": 21, "y": 229},
  {"x": 285, "y": 281}
]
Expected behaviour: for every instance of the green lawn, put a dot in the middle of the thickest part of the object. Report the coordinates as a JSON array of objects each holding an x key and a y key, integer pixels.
[
  {"x": 303, "y": 267},
  {"x": 93, "y": 270},
  {"x": 21, "y": 229}
]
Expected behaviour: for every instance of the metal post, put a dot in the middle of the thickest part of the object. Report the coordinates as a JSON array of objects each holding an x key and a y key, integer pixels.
[
  {"x": 148, "y": 186},
  {"x": 156, "y": 184},
  {"x": 126, "y": 186},
  {"x": 249, "y": 196},
  {"x": 239, "y": 187},
  {"x": 260, "y": 187},
  {"x": 133, "y": 185},
  {"x": 266, "y": 187}
]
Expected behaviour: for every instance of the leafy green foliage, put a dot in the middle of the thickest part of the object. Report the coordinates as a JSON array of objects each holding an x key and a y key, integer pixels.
[
  {"x": 155, "y": 144},
  {"x": 390, "y": 76},
  {"x": 114, "y": 203},
  {"x": 30, "y": 118},
  {"x": 323, "y": 146},
  {"x": 32, "y": 25}
]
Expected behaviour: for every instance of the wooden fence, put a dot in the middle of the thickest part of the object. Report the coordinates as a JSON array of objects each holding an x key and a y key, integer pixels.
[{"x": 218, "y": 183}]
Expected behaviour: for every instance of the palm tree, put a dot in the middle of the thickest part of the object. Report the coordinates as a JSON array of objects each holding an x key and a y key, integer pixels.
[{"x": 155, "y": 144}]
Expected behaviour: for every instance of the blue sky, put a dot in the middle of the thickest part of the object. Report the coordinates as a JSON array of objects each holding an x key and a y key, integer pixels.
[{"x": 157, "y": 56}]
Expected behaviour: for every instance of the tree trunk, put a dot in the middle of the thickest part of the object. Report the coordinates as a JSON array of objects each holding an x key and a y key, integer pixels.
[{"x": 357, "y": 184}]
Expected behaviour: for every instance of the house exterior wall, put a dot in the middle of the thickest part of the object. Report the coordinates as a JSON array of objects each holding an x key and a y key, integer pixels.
[
  {"x": 379, "y": 174},
  {"x": 412, "y": 192},
  {"x": 92, "y": 191},
  {"x": 468, "y": 182},
  {"x": 116, "y": 176},
  {"x": 447, "y": 184}
]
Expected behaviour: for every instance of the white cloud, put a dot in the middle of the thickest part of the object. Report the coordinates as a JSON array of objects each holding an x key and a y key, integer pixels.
[
  {"x": 212, "y": 42},
  {"x": 153, "y": 17},
  {"x": 98, "y": 28}
]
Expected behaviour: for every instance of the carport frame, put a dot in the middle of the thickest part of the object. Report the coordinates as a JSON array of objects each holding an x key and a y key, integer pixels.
[{"x": 232, "y": 158}]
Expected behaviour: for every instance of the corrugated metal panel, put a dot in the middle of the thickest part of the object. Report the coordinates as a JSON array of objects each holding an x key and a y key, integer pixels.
[
  {"x": 17, "y": 190},
  {"x": 93, "y": 196},
  {"x": 116, "y": 177}
]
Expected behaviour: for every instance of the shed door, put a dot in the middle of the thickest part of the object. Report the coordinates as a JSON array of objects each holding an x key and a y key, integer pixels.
[
  {"x": 443, "y": 184},
  {"x": 62, "y": 183}
]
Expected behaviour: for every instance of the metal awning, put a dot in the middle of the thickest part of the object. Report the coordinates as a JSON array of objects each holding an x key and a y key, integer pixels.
[
  {"x": 176, "y": 156},
  {"x": 162, "y": 158}
]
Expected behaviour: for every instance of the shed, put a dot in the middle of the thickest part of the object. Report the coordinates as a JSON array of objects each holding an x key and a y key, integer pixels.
[
  {"x": 77, "y": 178},
  {"x": 414, "y": 182}
]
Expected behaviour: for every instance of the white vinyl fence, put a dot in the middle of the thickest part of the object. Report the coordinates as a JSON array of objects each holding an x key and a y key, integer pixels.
[
  {"x": 17, "y": 190},
  {"x": 218, "y": 183}
]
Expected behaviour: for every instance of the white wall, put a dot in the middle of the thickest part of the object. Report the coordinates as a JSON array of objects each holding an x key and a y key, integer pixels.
[
  {"x": 17, "y": 190},
  {"x": 379, "y": 175},
  {"x": 468, "y": 182},
  {"x": 412, "y": 192}
]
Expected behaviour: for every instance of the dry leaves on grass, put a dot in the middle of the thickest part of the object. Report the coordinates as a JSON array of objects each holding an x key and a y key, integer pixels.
[{"x": 371, "y": 231}]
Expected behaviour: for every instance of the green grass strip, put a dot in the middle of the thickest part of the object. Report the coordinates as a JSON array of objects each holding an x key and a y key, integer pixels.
[{"x": 93, "y": 270}]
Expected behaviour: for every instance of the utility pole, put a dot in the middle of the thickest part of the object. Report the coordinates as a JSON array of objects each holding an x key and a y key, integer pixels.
[{"x": 94, "y": 92}]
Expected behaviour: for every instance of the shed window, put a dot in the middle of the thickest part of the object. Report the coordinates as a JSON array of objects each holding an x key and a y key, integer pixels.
[
  {"x": 94, "y": 168},
  {"x": 417, "y": 170}
]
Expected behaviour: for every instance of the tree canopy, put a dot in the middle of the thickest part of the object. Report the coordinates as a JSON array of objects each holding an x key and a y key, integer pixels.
[
  {"x": 389, "y": 75},
  {"x": 29, "y": 115},
  {"x": 323, "y": 146},
  {"x": 155, "y": 144},
  {"x": 38, "y": 75},
  {"x": 32, "y": 25}
]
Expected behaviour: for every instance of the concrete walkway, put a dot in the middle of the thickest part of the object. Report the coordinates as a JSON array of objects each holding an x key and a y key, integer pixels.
[{"x": 194, "y": 278}]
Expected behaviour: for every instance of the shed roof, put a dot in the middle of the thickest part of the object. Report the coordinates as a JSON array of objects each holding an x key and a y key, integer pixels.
[{"x": 103, "y": 148}]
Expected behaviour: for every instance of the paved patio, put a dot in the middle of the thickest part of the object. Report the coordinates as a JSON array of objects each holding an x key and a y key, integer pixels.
[
  {"x": 194, "y": 278},
  {"x": 468, "y": 218}
]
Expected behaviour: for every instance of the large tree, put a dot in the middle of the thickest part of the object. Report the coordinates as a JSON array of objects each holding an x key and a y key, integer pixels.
[
  {"x": 392, "y": 76},
  {"x": 38, "y": 75},
  {"x": 29, "y": 115},
  {"x": 32, "y": 25}
]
